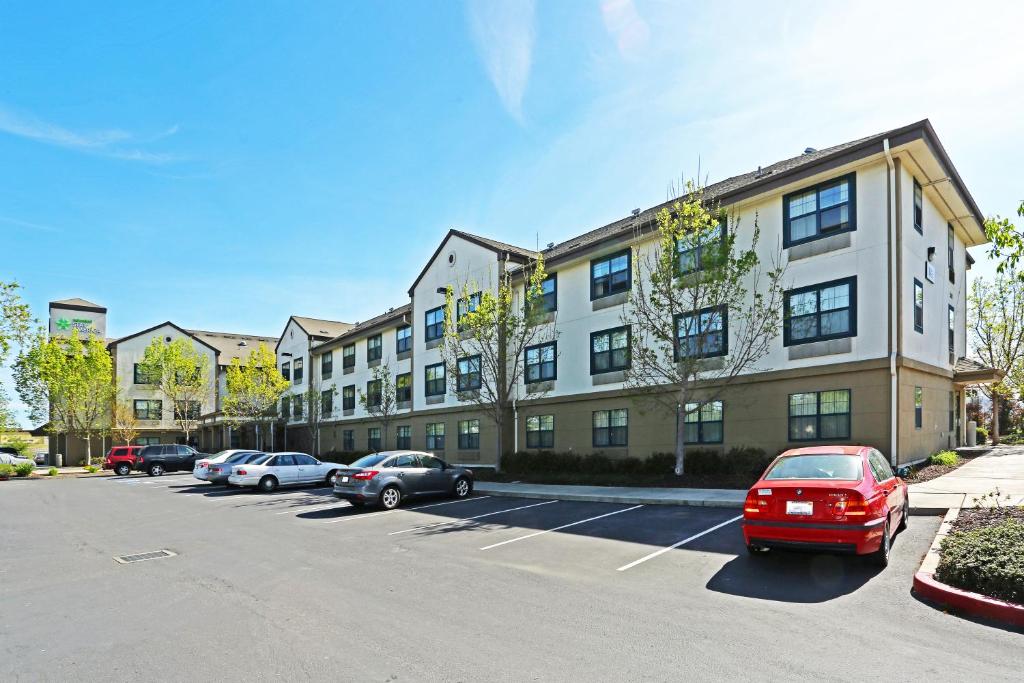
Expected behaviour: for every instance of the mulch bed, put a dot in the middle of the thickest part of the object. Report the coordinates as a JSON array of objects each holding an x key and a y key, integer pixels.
[
  {"x": 929, "y": 472},
  {"x": 976, "y": 518},
  {"x": 669, "y": 480}
]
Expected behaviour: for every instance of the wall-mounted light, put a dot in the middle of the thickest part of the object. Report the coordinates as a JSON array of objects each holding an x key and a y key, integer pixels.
[{"x": 931, "y": 253}]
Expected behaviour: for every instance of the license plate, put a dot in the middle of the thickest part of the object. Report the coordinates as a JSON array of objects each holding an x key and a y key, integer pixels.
[
  {"x": 344, "y": 480},
  {"x": 799, "y": 507}
]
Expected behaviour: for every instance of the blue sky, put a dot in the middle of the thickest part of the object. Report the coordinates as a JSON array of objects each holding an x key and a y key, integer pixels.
[{"x": 225, "y": 167}]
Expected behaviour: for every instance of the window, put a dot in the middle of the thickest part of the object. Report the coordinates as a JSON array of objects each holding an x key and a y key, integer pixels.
[
  {"x": 819, "y": 415},
  {"x": 373, "y": 439},
  {"x": 695, "y": 252},
  {"x": 326, "y": 403},
  {"x": 142, "y": 378},
  {"x": 468, "y": 377},
  {"x": 610, "y": 275},
  {"x": 952, "y": 330},
  {"x": 541, "y": 363},
  {"x": 348, "y": 440},
  {"x": 403, "y": 339},
  {"x": 548, "y": 301},
  {"x": 283, "y": 461},
  {"x": 918, "y": 306},
  {"x": 149, "y": 409},
  {"x": 373, "y": 393},
  {"x": 465, "y": 306},
  {"x": 702, "y": 422},
  {"x": 187, "y": 410},
  {"x": 407, "y": 461},
  {"x": 403, "y": 437},
  {"x": 434, "y": 375},
  {"x": 609, "y": 350},
  {"x": 286, "y": 406},
  {"x": 297, "y": 371},
  {"x": 611, "y": 427},
  {"x": 879, "y": 466},
  {"x": 702, "y": 334},
  {"x": 348, "y": 356},
  {"x": 950, "y": 242},
  {"x": 374, "y": 347},
  {"x": 435, "y": 436},
  {"x": 403, "y": 387},
  {"x": 431, "y": 463},
  {"x": 435, "y": 324},
  {"x": 469, "y": 434},
  {"x": 327, "y": 365},
  {"x": 540, "y": 431},
  {"x": 825, "y": 311},
  {"x": 297, "y": 406},
  {"x": 348, "y": 397},
  {"x": 147, "y": 441},
  {"x": 918, "y": 207},
  {"x": 816, "y": 212},
  {"x": 918, "y": 407},
  {"x": 286, "y": 370},
  {"x": 952, "y": 411}
]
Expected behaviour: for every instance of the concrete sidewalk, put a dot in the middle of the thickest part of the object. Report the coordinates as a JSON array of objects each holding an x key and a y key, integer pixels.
[
  {"x": 1002, "y": 468},
  {"x": 721, "y": 498}
]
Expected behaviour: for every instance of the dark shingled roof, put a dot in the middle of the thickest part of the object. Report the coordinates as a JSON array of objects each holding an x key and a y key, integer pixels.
[{"x": 359, "y": 328}]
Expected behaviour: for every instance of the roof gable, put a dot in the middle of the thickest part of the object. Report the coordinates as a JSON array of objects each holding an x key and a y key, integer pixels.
[
  {"x": 167, "y": 323},
  {"x": 500, "y": 249}
]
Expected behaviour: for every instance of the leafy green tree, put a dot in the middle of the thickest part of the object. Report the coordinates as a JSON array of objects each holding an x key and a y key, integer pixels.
[
  {"x": 380, "y": 400},
  {"x": 91, "y": 378},
  {"x": 254, "y": 390},
  {"x": 15, "y": 319},
  {"x": 702, "y": 310},
  {"x": 182, "y": 375},
  {"x": 1007, "y": 242},
  {"x": 45, "y": 380}
]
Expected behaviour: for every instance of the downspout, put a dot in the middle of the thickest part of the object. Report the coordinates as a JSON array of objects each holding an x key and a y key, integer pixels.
[
  {"x": 515, "y": 423},
  {"x": 894, "y": 288}
]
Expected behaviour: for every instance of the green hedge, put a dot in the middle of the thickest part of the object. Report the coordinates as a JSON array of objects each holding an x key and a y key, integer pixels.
[
  {"x": 343, "y": 457},
  {"x": 982, "y": 435},
  {"x": 6, "y": 470},
  {"x": 744, "y": 461},
  {"x": 989, "y": 560},
  {"x": 945, "y": 458},
  {"x": 24, "y": 469}
]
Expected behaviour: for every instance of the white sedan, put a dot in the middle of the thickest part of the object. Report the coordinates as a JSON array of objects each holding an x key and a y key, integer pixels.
[
  {"x": 284, "y": 469},
  {"x": 201, "y": 470}
]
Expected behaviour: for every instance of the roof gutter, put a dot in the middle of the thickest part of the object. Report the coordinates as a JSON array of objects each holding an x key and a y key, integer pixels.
[{"x": 894, "y": 287}]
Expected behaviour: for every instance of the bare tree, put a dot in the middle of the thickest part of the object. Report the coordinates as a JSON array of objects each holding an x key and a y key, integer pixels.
[
  {"x": 124, "y": 425},
  {"x": 996, "y": 314},
  {"x": 380, "y": 399},
  {"x": 319, "y": 407}
]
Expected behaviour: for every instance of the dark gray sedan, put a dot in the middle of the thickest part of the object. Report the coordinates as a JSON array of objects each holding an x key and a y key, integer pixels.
[{"x": 386, "y": 478}]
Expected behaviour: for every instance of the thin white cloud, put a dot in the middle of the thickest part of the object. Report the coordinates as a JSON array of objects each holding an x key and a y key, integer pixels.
[
  {"x": 625, "y": 25},
  {"x": 503, "y": 32},
  {"x": 28, "y": 224}
]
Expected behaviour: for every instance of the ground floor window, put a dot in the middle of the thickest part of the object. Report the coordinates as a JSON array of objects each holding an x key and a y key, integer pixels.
[
  {"x": 404, "y": 437},
  {"x": 918, "y": 407},
  {"x": 373, "y": 439},
  {"x": 818, "y": 415},
  {"x": 540, "y": 431},
  {"x": 435, "y": 436},
  {"x": 702, "y": 422},
  {"x": 611, "y": 427},
  {"x": 147, "y": 440},
  {"x": 348, "y": 440},
  {"x": 469, "y": 434}
]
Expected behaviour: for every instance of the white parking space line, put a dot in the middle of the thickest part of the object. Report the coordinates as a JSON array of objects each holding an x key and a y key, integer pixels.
[
  {"x": 388, "y": 512},
  {"x": 319, "y": 506},
  {"x": 677, "y": 544},
  {"x": 558, "y": 528},
  {"x": 466, "y": 519}
]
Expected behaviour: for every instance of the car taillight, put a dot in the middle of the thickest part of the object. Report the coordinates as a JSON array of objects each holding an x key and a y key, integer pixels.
[
  {"x": 365, "y": 476},
  {"x": 753, "y": 504},
  {"x": 241, "y": 472}
]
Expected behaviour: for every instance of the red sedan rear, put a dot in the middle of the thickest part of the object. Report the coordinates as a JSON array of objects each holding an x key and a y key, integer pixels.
[{"x": 832, "y": 498}]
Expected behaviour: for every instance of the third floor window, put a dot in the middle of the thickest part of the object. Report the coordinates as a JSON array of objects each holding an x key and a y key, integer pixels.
[
  {"x": 819, "y": 211},
  {"x": 374, "y": 348},
  {"x": 610, "y": 275}
]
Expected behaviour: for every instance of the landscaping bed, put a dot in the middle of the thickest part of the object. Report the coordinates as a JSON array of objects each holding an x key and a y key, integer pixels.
[
  {"x": 984, "y": 553},
  {"x": 934, "y": 469}
]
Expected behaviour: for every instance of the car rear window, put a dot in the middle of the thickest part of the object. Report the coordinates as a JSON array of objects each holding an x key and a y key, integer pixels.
[
  {"x": 260, "y": 460},
  {"x": 239, "y": 457},
  {"x": 817, "y": 466},
  {"x": 369, "y": 460}
]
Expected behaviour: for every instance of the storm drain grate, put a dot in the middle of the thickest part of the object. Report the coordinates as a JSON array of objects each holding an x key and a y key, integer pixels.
[{"x": 142, "y": 557}]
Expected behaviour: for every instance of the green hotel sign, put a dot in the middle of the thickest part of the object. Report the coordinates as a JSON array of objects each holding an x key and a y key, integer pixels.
[{"x": 81, "y": 324}]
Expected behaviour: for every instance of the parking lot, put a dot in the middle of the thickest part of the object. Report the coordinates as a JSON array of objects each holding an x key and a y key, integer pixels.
[{"x": 296, "y": 584}]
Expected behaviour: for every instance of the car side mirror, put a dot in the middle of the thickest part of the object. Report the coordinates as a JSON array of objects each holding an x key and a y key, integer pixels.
[{"x": 902, "y": 472}]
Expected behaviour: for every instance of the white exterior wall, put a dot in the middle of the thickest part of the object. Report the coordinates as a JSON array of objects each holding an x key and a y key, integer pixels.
[{"x": 296, "y": 342}]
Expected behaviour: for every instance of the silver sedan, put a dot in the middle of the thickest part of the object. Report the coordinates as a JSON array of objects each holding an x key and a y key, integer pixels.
[{"x": 219, "y": 472}]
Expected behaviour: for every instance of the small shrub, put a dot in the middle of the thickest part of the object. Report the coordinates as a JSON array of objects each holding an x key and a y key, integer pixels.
[
  {"x": 982, "y": 435},
  {"x": 989, "y": 560},
  {"x": 52, "y": 472},
  {"x": 24, "y": 469},
  {"x": 945, "y": 458},
  {"x": 6, "y": 470},
  {"x": 92, "y": 469}
]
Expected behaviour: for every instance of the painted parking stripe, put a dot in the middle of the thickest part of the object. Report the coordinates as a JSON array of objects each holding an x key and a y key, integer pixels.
[
  {"x": 466, "y": 519},
  {"x": 310, "y": 508},
  {"x": 677, "y": 544},
  {"x": 558, "y": 528},
  {"x": 388, "y": 512}
]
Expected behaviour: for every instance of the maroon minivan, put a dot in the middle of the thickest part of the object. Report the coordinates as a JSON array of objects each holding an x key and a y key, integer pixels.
[{"x": 121, "y": 459}]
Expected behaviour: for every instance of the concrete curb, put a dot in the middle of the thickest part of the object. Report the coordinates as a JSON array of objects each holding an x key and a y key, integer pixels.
[
  {"x": 974, "y": 604},
  {"x": 610, "y": 497}
]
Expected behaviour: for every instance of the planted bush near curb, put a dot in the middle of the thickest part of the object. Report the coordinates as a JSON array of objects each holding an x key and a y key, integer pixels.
[
  {"x": 988, "y": 560},
  {"x": 52, "y": 472},
  {"x": 24, "y": 469},
  {"x": 6, "y": 470},
  {"x": 742, "y": 461},
  {"x": 945, "y": 458}
]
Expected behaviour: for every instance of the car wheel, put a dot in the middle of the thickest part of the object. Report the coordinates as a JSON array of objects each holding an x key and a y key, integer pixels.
[
  {"x": 155, "y": 470},
  {"x": 123, "y": 469},
  {"x": 268, "y": 484},
  {"x": 881, "y": 556},
  {"x": 463, "y": 487},
  {"x": 906, "y": 514},
  {"x": 332, "y": 476},
  {"x": 390, "y": 498}
]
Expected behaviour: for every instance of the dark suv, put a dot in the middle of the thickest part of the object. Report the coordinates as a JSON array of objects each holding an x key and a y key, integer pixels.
[{"x": 155, "y": 460}]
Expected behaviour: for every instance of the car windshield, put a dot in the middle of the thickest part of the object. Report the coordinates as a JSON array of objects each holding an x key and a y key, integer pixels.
[
  {"x": 261, "y": 459},
  {"x": 820, "y": 466},
  {"x": 369, "y": 460}
]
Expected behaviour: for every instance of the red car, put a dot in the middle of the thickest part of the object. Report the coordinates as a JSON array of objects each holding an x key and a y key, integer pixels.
[
  {"x": 122, "y": 459},
  {"x": 831, "y": 498}
]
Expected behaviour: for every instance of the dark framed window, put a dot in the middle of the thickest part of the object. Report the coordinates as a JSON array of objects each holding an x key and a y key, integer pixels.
[
  {"x": 702, "y": 334},
  {"x": 286, "y": 407},
  {"x": 703, "y": 422},
  {"x": 142, "y": 378},
  {"x": 403, "y": 387},
  {"x": 348, "y": 440},
  {"x": 548, "y": 300},
  {"x": 373, "y": 439},
  {"x": 950, "y": 243},
  {"x": 435, "y": 436},
  {"x": 918, "y": 407},
  {"x": 818, "y": 312},
  {"x": 952, "y": 411},
  {"x": 149, "y": 409},
  {"x": 609, "y": 350},
  {"x": 699, "y": 251},
  {"x": 465, "y": 306},
  {"x": 297, "y": 406},
  {"x": 286, "y": 371},
  {"x": 540, "y": 431},
  {"x": 434, "y": 379},
  {"x": 187, "y": 410},
  {"x": 918, "y": 207},
  {"x": 541, "y": 364},
  {"x": 326, "y": 403},
  {"x": 374, "y": 348},
  {"x": 824, "y": 209},
  {"x": 348, "y": 397},
  {"x": 468, "y": 377},
  {"x": 327, "y": 365},
  {"x": 373, "y": 393},
  {"x": 348, "y": 356},
  {"x": 611, "y": 427},
  {"x": 952, "y": 329},
  {"x": 403, "y": 437},
  {"x": 297, "y": 371},
  {"x": 819, "y": 415},
  {"x": 611, "y": 274},
  {"x": 918, "y": 306},
  {"x": 403, "y": 339},
  {"x": 469, "y": 434},
  {"x": 434, "y": 328}
]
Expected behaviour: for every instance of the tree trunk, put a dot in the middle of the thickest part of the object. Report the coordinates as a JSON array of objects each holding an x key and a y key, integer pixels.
[
  {"x": 680, "y": 441},
  {"x": 995, "y": 418},
  {"x": 500, "y": 446},
  {"x": 88, "y": 449}
]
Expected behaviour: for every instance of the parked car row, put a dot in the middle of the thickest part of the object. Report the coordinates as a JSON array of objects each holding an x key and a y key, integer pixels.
[{"x": 154, "y": 460}]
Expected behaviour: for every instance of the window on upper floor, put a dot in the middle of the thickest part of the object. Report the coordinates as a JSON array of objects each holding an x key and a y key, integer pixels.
[
  {"x": 374, "y": 348},
  {"x": 541, "y": 363},
  {"x": 609, "y": 350},
  {"x": 374, "y": 395},
  {"x": 297, "y": 406},
  {"x": 702, "y": 334},
  {"x": 403, "y": 339},
  {"x": 297, "y": 371},
  {"x": 950, "y": 243},
  {"x": 820, "y": 312},
  {"x": 142, "y": 378},
  {"x": 547, "y": 302},
  {"x": 286, "y": 407},
  {"x": 403, "y": 387},
  {"x": 696, "y": 252},
  {"x": 918, "y": 207},
  {"x": 818, "y": 415},
  {"x": 149, "y": 409},
  {"x": 348, "y": 397},
  {"x": 187, "y": 410},
  {"x": 918, "y": 305},
  {"x": 348, "y": 356},
  {"x": 610, "y": 428},
  {"x": 434, "y": 384},
  {"x": 326, "y": 365},
  {"x": 540, "y": 431},
  {"x": 286, "y": 370},
  {"x": 468, "y": 377},
  {"x": 825, "y": 209},
  {"x": 326, "y": 403},
  {"x": 952, "y": 330},
  {"x": 702, "y": 422},
  {"x": 434, "y": 319},
  {"x": 610, "y": 275},
  {"x": 465, "y": 306}
]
